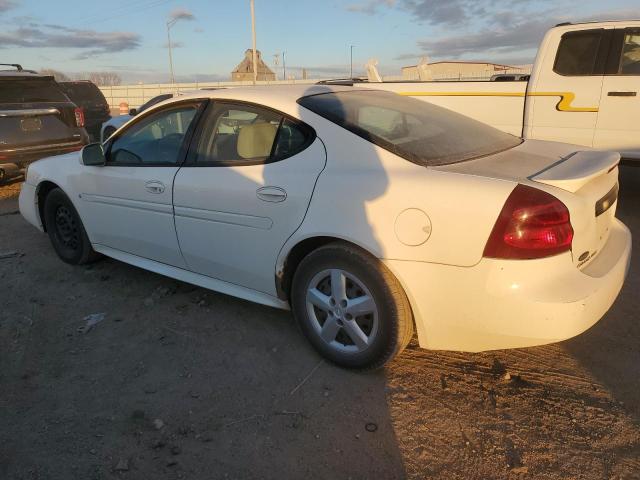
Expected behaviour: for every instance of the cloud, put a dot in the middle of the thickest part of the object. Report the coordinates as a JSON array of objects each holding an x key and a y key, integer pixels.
[
  {"x": 88, "y": 42},
  {"x": 370, "y": 7},
  {"x": 173, "y": 45},
  {"x": 507, "y": 36},
  {"x": 181, "y": 14},
  {"x": 7, "y": 5}
]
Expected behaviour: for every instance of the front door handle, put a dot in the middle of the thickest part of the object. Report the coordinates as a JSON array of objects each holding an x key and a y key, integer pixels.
[
  {"x": 154, "y": 186},
  {"x": 271, "y": 194},
  {"x": 622, "y": 94}
]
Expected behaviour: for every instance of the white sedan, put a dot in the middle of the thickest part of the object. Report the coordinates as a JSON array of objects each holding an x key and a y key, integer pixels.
[{"x": 367, "y": 213}]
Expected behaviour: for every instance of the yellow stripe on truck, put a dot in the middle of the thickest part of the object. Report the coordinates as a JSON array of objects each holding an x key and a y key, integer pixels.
[{"x": 563, "y": 105}]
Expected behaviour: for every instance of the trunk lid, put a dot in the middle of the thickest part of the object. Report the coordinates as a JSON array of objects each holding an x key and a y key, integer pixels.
[{"x": 585, "y": 181}]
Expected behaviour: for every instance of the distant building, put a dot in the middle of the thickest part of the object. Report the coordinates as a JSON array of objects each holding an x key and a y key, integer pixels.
[
  {"x": 462, "y": 69},
  {"x": 244, "y": 71}
]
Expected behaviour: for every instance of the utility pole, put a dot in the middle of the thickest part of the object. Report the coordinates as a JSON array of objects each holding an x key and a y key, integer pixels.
[
  {"x": 284, "y": 67},
  {"x": 253, "y": 34},
  {"x": 351, "y": 63},
  {"x": 170, "y": 24}
]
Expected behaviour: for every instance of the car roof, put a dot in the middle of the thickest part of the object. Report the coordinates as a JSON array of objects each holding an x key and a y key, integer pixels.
[{"x": 279, "y": 97}]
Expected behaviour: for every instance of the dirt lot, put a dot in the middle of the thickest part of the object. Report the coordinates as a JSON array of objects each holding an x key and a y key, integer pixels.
[{"x": 178, "y": 382}]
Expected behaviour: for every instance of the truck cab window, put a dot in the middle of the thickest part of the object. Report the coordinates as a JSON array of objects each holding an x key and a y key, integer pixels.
[
  {"x": 630, "y": 61},
  {"x": 578, "y": 53}
]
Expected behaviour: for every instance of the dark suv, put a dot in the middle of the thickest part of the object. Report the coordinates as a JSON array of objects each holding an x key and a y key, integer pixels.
[
  {"x": 88, "y": 96},
  {"x": 36, "y": 118}
]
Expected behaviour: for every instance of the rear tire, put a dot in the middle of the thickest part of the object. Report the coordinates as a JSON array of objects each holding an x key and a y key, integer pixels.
[
  {"x": 351, "y": 307},
  {"x": 65, "y": 229}
]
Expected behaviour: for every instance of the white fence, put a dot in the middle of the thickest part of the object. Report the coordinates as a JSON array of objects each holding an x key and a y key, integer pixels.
[{"x": 137, "y": 94}]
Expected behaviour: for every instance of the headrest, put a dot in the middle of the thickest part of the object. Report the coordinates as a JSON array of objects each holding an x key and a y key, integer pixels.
[{"x": 256, "y": 140}]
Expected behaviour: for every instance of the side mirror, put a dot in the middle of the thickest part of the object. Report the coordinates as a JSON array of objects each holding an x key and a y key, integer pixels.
[
  {"x": 93, "y": 155},
  {"x": 133, "y": 111}
]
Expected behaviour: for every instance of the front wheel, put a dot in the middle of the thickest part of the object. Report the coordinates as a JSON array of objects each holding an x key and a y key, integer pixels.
[
  {"x": 66, "y": 231},
  {"x": 351, "y": 307}
]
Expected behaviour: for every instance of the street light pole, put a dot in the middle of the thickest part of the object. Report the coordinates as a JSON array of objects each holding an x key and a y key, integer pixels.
[
  {"x": 253, "y": 34},
  {"x": 351, "y": 67}
]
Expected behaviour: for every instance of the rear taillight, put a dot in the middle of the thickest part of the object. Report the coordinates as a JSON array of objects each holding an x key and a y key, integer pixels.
[
  {"x": 532, "y": 224},
  {"x": 79, "y": 117}
]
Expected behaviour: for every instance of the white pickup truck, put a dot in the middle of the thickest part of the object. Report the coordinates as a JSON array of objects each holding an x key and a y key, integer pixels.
[{"x": 584, "y": 89}]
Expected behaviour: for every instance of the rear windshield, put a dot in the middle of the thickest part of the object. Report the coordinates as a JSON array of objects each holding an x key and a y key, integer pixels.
[
  {"x": 83, "y": 92},
  {"x": 30, "y": 90},
  {"x": 419, "y": 131}
]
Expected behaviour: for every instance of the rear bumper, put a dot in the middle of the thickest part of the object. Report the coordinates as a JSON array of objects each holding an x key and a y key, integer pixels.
[
  {"x": 23, "y": 156},
  {"x": 500, "y": 304}
]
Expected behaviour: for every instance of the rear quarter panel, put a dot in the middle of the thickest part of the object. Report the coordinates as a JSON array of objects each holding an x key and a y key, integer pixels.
[{"x": 364, "y": 189}]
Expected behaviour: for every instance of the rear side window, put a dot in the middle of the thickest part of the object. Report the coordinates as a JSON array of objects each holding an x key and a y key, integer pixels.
[
  {"x": 578, "y": 53},
  {"x": 630, "y": 61},
  {"x": 292, "y": 138},
  {"x": 245, "y": 135},
  {"x": 30, "y": 90},
  {"x": 83, "y": 92}
]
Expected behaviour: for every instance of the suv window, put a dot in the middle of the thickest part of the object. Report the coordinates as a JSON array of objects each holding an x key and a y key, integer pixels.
[
  {"x": 84, "y": 92},
  {"x": 630, "y": 61},
  {"x": 30, "y": 90},
  {"x": 154, "y": 140},
  {"x": 244, "y": 134},
  {"x": 578, "y": 53}
]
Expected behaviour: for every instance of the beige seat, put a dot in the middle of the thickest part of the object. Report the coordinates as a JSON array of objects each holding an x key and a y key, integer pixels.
[{"x": 256, "y": 140}]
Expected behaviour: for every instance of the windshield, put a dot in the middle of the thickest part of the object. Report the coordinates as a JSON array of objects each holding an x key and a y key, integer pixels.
[
  {"x": 416, "y": 130},
  {"x": 28, "y": 91}
]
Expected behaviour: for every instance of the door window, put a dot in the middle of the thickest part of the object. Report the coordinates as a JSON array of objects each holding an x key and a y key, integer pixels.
[
  {"x": 154, "y": 140},
  {"x": 578, "y": 53},
  {"x": 247, "y": 135},
  {"x": 630, "y": 61}
]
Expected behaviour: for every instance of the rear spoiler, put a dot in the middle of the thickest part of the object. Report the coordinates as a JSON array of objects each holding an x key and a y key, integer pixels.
[{"x": 576, "y": 170}]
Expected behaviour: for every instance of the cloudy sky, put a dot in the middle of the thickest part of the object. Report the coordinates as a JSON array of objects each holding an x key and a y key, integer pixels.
[{"x": 210, "y": 36}]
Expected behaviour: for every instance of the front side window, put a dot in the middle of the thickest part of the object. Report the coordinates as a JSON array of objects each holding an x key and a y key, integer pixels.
[
  {"x": 245, "y": 134},
  {"x": 419, "y": 131},
  {"x": 630, "y": 61},
  {"x": 154, "y": 140},
  {"x": 578, "y": 53}
]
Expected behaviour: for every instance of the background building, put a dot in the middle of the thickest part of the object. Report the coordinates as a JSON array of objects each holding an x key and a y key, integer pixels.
[{"x": 244, "y": 71}]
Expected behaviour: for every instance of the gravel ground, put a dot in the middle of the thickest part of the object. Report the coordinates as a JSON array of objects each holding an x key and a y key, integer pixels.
[{"x": 178, "y": 382}]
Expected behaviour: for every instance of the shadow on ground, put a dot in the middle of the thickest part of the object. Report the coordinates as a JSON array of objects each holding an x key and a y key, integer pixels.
[{"x": 179, "y": 382}]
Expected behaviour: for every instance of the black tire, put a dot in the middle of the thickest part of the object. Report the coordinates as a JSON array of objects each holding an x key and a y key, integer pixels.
[
  {"x": 66, "y": 231},
  {"x": 107, "y": 133},
  {"x": 394, "y": 322}
]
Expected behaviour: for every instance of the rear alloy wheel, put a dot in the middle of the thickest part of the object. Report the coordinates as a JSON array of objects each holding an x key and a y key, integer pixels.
[
  {"x": 66, "y": 231},
  {"x": 350, "y": 307}
]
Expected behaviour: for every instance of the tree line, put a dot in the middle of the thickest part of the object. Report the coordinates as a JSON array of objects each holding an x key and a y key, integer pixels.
[{"x": 102, "y": 79}]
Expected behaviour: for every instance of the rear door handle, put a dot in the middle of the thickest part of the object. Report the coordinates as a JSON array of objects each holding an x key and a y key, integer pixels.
[
  {"x": 271, "y": 194},
  {"x": 154, "y": 186},
  {"x": 622, "y": 94}
]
